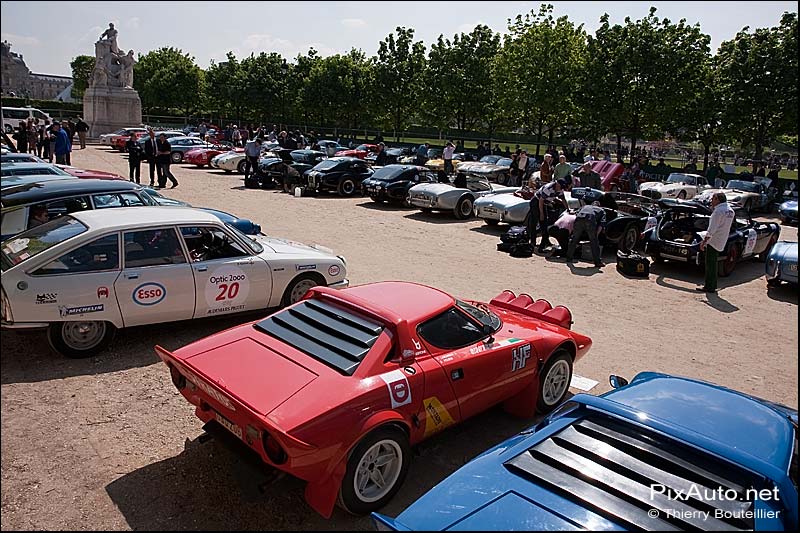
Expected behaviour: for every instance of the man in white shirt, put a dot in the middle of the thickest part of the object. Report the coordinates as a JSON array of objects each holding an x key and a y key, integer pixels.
[
  {"x": 719, "y": 228},
  {"x": 447, "y": 155}
]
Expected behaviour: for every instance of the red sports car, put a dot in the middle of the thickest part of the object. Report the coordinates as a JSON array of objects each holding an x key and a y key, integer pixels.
[
  {"x": 202, "y": 156},
  {"x": 336, "y": 388},
  {"x": 118, "y": 141},
  {"x": 360, "y": 151}
]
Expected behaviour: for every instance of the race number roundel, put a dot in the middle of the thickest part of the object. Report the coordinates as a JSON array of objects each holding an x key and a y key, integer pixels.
[{"x": 226, "y": 289}]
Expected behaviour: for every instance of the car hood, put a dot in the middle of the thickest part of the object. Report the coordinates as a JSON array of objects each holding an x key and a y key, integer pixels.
[
  {"x": 504, "y": 200},
  {"x": 238, "y": 369},
  {"x": 784, "y": 251},
  {"x": 434, "y": 189},
  {"x": 283, "y": 246},
  {"x": 790, "y": 205}
]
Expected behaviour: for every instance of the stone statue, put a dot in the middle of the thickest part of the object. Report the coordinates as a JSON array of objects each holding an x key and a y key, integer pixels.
[
  {"x": 111, "y": 35},
  {"x": 127, "y": 62}
]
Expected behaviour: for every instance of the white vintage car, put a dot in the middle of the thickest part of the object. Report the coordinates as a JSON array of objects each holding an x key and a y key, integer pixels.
[
  {"x": 511, "y": 208},
  {"x": 446, "y": 197},
  {"x": 234, "y": 161},
  {"x": 677, "y": 185},
  {"x": 85, "y": 275}
]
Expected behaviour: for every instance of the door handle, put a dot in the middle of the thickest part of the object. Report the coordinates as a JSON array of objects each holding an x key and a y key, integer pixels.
[
  {"x": 132, "y": 276},
  {"x": 202, "y": 268}
]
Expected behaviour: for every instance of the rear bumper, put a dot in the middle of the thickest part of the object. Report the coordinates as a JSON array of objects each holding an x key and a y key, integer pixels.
[
  {"x": 340, "y": 284},
  {"x": 23, "y": 325}
]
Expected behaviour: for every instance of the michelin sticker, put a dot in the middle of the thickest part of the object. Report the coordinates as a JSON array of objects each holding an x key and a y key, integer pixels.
[
  {"x": 226, "y": 290},
  {"x": 65, "y": 311},
  {"x": 399, "y": 391}
]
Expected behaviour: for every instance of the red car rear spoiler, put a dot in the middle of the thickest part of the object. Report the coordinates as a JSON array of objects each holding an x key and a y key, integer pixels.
[{"x": 540, "y": 309}]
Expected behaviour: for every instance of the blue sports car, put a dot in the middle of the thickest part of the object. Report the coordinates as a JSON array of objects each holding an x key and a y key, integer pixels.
[
  {"x": 788, "y": 212},
  {"x": 661, "y": 453},
  {"x": 782, "y": 263}
]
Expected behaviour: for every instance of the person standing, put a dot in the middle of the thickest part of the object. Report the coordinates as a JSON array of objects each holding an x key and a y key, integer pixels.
[
  {"x": 163, "y": 161},
  {"x": 447, "y": 155},
  {"x": 33, "y": 135},
  {"x": 236, "y": 136},
  {"x": 135, "y": 155},
  {"x": 522, "y": 168},
  {"x": 382, "y": 158},
  {"x": 588, "y": 177},
  {"x": 82, "y": 128},
  {"x": 589, "y": 220},
  {"x": 546, "y": 170},
  {"x": 562, "y": 170},
  {"x": 252, "y": 150},
  {"x": 150, "y": 153},
  {"x": 62, "y": 148},
  {"x": 21, "y": 136},
  {"x": 719, "y": 228},
  {"x": 546, "y": 195},
  {"x": 69, "y": 128}
]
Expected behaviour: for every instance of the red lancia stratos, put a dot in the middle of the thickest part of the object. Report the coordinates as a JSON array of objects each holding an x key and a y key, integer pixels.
[{"x": 336, "y": 388}]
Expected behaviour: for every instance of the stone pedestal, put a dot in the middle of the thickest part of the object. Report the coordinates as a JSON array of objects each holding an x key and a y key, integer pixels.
[{"x": 107, "y": 109}]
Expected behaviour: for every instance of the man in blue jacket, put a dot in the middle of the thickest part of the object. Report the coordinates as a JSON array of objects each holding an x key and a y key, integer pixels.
[{"x": 63, "y": 147}]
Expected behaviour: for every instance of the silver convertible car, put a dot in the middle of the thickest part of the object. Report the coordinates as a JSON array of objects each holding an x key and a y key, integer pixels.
[
  {"x": 446, "y": 197},
  {"x": 510, "y": 208}
]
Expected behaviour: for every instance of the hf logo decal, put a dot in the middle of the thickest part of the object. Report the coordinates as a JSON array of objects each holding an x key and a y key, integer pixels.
[
  {"x": 399, "y": 390},
  {"x": 519, "y": 357}
]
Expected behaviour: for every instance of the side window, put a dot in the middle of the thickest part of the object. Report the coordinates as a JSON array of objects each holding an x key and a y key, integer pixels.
[
  {"x": 104, "y": 201},
  {"x": 67, "y": 206},
  {"x": 130, "y": 199},
  {"x": 100, "y": 254},
  {"x": 39, "y": 115},
  {"x": 152, "y": 248},
  {"x": 206, "y": 243},
  {"x": 451, "y": 329}
]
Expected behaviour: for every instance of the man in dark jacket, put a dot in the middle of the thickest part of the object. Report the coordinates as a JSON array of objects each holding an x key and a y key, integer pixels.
[
  {"x": 163, "y": 160},
  {"x": 63, "y": 147},
  {"x": 82, "y": 128},
  {"x": 589, "y": 220},
  {"x": 150, "y": 153},
  {"x": 135, "y": 155},
  {"x": 381, "y": 159}
]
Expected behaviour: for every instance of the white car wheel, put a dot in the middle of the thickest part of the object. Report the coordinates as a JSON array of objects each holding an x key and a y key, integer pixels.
[
  {"x": 554, "y": 381},
  {"x": 299, "y": 287},
  {"x": 79, "y": 338}
]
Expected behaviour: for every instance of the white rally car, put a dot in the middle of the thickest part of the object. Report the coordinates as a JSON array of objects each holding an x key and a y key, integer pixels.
[
  {"x": 678, "y": 185},
  {"x": 86, "y": 274}
]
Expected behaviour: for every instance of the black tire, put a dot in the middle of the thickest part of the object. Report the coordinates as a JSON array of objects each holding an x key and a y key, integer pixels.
[
  {"x": 293, "y": 290},
  {"x": 559, "y": 362},
  {"x": 393, "y": 438},
  {"x": 347, "y": 187},
  {"x": 728, "y": 265},
  {"x": 464, "y": 208},
  {"x": 502, "y": 179},
  {"x": 176, "y": 157},
  {"x": 491, "y": 221},
  {"x": 240, "y": 166},
  {"x": 376, "y": 199},
  {"x": 774, "y": 282},
  {"x": 682, "y": 195},
  {"x": 66, "y": 337},
  {"x": 629, "y": 238}
]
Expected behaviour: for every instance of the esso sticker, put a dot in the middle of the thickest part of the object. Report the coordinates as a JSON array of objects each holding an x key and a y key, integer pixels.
[
  {"x": 149, "y": 293},
  {"x": 399, "y": 390},
  {"x": 334, "y": 270},
  {"x": 226, "y": 286}
]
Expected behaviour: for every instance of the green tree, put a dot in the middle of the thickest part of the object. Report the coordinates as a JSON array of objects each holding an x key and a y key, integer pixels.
[
  {"x": 223, "y": 86},
  {"x": 168, "y": 78},
  {"x": 539, "y": 70},
  {"x": 705, "y": 111},
  {"x": 82, "y": 67},
  {"x": 399, "y": 68},
  {"x": 758, "y": 72},
  {"x": 458, "y": 86},
  {"x": 295, "y": 86},
  {"x": 264, "y": 86}
]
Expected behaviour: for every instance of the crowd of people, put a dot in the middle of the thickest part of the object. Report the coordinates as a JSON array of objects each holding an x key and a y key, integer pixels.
[{"x": 50, "y": 140}]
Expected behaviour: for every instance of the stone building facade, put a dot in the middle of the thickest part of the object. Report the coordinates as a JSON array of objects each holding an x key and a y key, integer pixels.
[{"x": 18, "y": 79}]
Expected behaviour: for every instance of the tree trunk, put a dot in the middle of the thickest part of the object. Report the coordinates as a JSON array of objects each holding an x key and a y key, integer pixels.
[
  {"x": 619, "y": 148},
  {"x": 539, "y": 137},
  {"x": 706, "y": 150}
]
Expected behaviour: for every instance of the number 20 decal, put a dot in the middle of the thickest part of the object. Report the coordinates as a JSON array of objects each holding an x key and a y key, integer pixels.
[{"x": 227, "y": 292}]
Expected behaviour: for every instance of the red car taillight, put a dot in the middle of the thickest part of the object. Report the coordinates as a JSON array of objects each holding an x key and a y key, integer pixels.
[{"x": 273, "y": 449}]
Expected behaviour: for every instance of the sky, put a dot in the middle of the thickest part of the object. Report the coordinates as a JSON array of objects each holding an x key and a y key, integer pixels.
[{"x": 50, "y": 34}]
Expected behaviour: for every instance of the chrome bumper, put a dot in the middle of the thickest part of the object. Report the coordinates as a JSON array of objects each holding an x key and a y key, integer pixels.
[{"x": 340, "y": 284}]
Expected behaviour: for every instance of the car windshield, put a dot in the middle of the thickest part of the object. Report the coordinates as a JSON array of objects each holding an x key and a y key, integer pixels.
[
  {"x": 482, "y": 314},
  {"x": 504, "y": 162},
  {"x": 680, "y": 178},
  {"x": 249, "y": 240},
  {"x": 742, "y": 185},
  {"x": 387, "y": 173},
  {"x": 327, "y": 165},
  {"x": 38, "y": 239},
  {"x": 490, "y": 159},
  {"x": 362, "y": 148}
]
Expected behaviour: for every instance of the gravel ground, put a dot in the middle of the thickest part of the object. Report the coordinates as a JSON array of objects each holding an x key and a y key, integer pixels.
[{"x": 108, "y": 443}]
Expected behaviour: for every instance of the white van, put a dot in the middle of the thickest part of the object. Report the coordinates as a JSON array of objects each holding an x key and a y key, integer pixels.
[{"x": 13, "y": 115}]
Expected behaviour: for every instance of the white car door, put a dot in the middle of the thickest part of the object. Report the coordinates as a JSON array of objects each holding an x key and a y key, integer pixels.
[
  {"x": 156, "y": 284},
  {"x": 228, "y": 277}
]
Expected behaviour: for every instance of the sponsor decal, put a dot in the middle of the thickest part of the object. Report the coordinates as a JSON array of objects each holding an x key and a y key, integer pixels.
[
  {"x": 399, "y": 390},
  {"x": 334, "y": 270},
  {"x": 751, "y": 241},
  {"x": 205, "y": 387},
  {"x": 65, "y": 311},
  {"x": 305, "y": 267},
  {"x": 149, "y": 293},
  {"x": 47, "y": 298},
  {"x": 519, "y": 357},
  {"x": 436, "y": 416},
  {"x": 417, "y": 345},
  {"x": 102, "y": 292},
  {"x": 226, "y": 290},
  {"x": 482, "y": 347},
  {"x": 408, "y": 353}
]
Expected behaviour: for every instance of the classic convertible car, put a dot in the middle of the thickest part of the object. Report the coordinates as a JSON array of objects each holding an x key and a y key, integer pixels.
[
  {"x": 273, "y": 167},
  {"x": 234, "y": 160},
  {"x": 753, "y": 195},
  {"x": 341, "y": 174},
  {"x": 202, "y": 155},
  {"x": 782, "y": 263},
  {"x": 683, "y": 225},
  {"x": 445, "y": 197},
  {"x": 512, "y": 207},
  {"x": 663, "y": 453},
  {"x": 335, "y": 389},
  {"x": 392, "y": 182},
  {"x": 499, "y": 170},
  {"x": 678, "y": 185},
  {"x": 393, "y": 155},
  {"x": 86, "y": 274}
]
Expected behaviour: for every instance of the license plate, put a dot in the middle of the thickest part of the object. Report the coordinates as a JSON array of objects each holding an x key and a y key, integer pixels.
[
  {"x": 373, "y": 190},
  {"x": 489, "y": 210},
  {"x": 230, "y": 426},
  {"x": 674, "y": 250}
]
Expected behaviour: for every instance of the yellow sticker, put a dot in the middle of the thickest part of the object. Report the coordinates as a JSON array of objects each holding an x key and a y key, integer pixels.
[{"x": 437, "y": 417}]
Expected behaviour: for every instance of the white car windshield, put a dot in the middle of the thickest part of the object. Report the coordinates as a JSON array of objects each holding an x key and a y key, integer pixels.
[
  {"x": 38, "y": 239},
  {"x": 249, "y": 240},
  {"x": 681, "y": 178}
]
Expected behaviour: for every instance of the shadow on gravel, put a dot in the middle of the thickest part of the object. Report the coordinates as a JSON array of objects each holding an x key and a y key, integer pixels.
[
  {"x": 27, "y": 358},
  {"x": 436, "y": 217},
  {"x": 744, "y": 272},
  {"x": 783, "y": 293},
  {"x": 494, "y": 231},
  {"x": 384, "y": 206},
  {"x": 210, "y": 487}
]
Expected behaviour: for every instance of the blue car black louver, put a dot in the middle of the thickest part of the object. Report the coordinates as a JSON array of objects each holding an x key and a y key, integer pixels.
[
  {"x": 609, "y": 467},
  {"x": 324, "y": 331}
]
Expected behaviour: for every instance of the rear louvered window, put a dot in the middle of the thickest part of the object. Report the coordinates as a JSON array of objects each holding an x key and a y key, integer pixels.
[
  {"x": 609, "y": 467},
  {"x": 326, "y": 332}
]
